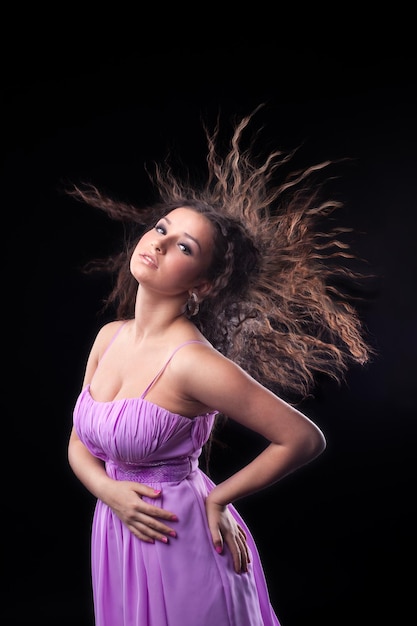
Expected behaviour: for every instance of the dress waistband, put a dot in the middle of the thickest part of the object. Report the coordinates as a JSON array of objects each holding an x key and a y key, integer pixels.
[{"x": 158, "y": 472}]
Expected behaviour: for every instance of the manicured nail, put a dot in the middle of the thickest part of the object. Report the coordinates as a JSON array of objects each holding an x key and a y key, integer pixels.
[
  {"x": 219, "y": 549},
  {"x": 157, "y": 491}
]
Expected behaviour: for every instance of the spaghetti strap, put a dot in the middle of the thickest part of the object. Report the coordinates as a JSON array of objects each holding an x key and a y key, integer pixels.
[
  {"x": 111, "y": 341},
  {"x": 185, "y": 343}
]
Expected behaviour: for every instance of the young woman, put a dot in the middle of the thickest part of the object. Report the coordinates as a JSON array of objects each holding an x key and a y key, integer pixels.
[{"x": 224, "y": 307}]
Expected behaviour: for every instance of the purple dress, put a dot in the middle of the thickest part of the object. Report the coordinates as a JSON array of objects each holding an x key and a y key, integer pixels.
[{"x": 185, "y": 582}]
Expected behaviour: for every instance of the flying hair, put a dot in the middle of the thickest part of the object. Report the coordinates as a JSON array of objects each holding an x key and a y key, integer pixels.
[{"x": 279, "y": 306}]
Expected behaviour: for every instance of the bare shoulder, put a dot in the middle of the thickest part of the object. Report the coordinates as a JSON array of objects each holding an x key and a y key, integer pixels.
[
  {"x": 105, "y": 335},
  {"x": 211, "y": 378},
  {"x": 102, "y": 340},
  {"x": 201, "y": 359}
]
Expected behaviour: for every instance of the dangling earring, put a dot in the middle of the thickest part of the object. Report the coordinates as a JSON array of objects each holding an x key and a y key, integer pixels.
[{"x": 193, "y": 305}]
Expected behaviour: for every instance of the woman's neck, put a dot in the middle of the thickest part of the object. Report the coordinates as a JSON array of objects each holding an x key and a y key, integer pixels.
[{"x": 155, "y": 314}]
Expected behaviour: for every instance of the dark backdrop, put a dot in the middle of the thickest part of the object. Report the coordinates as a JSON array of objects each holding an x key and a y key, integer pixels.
[{"x": 336, "y": 537}]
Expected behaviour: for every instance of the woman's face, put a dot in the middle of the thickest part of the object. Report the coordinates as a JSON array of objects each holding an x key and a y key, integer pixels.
[{"x": 174, "y": 256}]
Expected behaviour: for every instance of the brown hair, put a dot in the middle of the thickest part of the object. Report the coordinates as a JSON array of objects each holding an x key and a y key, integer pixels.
[{"x": 277, "y": 307}]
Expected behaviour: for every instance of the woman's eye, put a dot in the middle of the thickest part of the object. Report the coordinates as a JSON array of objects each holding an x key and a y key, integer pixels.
[{"x": 184, "y": 248}]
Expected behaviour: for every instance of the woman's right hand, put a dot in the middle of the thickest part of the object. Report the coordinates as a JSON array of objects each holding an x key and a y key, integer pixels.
[
  {"x": 125, "y": 498},
  {"x": 144, "y": 520}
]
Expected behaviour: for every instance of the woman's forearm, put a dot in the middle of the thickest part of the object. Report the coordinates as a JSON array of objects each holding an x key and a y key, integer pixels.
[
  {"x": 88, "y": 469},
  {"x": 270, "y": 466}
]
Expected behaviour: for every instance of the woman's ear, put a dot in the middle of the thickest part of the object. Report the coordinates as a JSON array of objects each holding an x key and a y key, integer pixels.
[{"x": 202, "y": 289}]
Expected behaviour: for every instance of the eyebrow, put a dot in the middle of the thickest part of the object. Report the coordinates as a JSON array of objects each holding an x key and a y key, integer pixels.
[{"x": 186, "y": 234}]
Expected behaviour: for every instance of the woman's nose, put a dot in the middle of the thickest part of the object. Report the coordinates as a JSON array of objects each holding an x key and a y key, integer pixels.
[{"x": 157, "y": 245}]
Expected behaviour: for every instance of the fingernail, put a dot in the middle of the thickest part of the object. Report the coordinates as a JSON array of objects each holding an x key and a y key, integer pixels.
[
  {"x": 157, "y": 491},
  {"x": 174, "y": 518},
  {"x": 172, "y": 533},
  {"x": 219, "y": 549}
]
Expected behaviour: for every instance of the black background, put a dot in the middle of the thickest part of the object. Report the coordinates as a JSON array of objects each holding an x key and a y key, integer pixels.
[{"x": 336, "y": 538}]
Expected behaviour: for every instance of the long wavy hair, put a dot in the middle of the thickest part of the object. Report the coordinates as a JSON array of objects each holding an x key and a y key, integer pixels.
[{"x": 278, "y": 307}]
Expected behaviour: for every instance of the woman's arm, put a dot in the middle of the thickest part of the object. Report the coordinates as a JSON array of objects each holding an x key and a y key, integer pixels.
[
  {"x": 293, "y": 439},
  {"x": 125, "y": 498}
]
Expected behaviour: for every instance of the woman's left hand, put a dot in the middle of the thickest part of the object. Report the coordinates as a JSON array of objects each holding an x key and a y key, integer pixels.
[{"x": 225, "y": 530}]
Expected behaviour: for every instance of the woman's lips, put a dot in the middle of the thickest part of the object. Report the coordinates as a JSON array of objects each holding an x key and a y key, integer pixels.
[{"x": 148, "y": 259}]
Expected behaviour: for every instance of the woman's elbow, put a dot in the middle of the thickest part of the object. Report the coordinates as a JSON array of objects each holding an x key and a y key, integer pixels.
[
  {"x": 315, "y": 442},
  {"x": 309, "y": 442}
]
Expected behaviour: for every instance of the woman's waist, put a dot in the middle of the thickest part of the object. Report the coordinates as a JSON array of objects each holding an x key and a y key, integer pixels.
[{"x": 162, "y": 470}]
